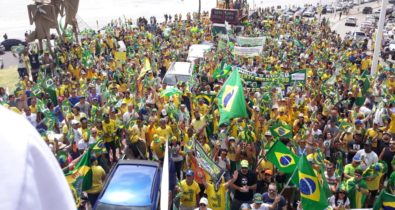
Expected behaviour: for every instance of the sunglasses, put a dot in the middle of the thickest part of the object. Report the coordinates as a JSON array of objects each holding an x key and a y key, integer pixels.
[{"x": 202, "y": 204}]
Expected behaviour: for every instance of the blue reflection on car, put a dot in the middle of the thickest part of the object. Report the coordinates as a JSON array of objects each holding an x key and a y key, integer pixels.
[{"x": 133, "y": 184}]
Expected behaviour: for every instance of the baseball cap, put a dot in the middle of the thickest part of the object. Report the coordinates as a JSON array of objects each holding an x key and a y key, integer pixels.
[
  {"x": 268, "y": 171},
  {"x": 244, "y": 164},
  {"x": 189, "y": 173},
  {"x": 357, "y": 158},
  {"x": 358, "y": 122},
  {"x": 74, "y": 122},
  {"x": 268, "y": 133},
  {"x": 203, "y": 200},
  {"x": 258, "y": 198}
]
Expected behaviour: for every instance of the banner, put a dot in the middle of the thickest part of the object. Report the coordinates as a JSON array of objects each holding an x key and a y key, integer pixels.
[
  {"x": 208, "y": 164},
  {"x": 297, "y": 76},
  {"x": 250, "y": 41},
  {"x": 247, "y": 51}
]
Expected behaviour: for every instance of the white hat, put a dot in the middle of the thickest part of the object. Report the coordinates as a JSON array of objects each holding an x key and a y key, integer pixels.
[
  {"x": 74, "y": 122},
  {"x": 203, "y": 200},
  {"x": 268, "y": 133},
  {"x": 164, "y": 113}
]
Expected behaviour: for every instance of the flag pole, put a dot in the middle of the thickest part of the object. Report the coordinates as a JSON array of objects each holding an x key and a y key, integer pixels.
[{"x": 289, "y": 180}]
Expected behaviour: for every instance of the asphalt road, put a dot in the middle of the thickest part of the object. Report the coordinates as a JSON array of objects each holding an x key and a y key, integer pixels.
[
  {"x": 339, "y": 25},
  {"x": 9, "y": 60}
]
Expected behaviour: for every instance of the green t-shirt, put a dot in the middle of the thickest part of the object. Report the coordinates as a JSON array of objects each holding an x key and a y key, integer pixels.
[{"x": 349, "y": 169}]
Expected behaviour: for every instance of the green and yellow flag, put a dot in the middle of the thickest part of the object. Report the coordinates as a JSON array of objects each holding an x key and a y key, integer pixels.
[
  {"x": 281, "y": 130},
  {"x": 385, "y": 201},
  {"x": 80, "y": 178},
  {"x": 98, "y": 148},
  {"x": 222, "y": 71},
  {"x": 231, "y": 100},
  {"x": 284, "y": 160},
  {"x": 146, "y": 68},
  {"x": 311, "y": 192}
]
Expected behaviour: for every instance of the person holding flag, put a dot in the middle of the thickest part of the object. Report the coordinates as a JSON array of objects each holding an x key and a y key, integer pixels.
[{"x": 357, "y": 189}]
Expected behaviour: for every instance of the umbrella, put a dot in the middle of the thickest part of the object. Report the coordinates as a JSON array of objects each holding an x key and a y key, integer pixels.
[{"x": 169, "y": 91}]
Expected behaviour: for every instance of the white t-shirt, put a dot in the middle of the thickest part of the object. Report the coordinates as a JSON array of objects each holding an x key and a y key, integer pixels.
[
  {"x": 333, "y": 203},
  {"x": 367, "y": 158},
  {"x": 31, "y": 177},
  {"x": 264, "y": 206}
]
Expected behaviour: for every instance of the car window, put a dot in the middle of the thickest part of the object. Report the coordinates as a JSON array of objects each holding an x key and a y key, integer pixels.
[
  {"x": 131, "y": 185},
  {"x": 170, "y": 79}
]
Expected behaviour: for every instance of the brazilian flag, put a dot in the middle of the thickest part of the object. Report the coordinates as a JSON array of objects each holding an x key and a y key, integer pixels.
[
  {"x": 206, "y": 98},
  {"x": 98, "y": 148},
  {"x": 231, "y": 101},
  {"x": 345, "y": 125},
  {"x": 222, "y": 71},
  {"x": 385, "y": 201},
  {"x": 80, "y": 178},
  {"x": 311, "y": 192},
  {"x": 284, "y": 160},
  {"x": 281, "y": 130}
]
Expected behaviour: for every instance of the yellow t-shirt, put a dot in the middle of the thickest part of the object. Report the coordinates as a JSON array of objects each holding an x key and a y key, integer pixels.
[
  {"x": 391, "y": 128},
  {"x": 374, "y": 184},
  {"x": 136, "y": 133},
  {"x": 97, "y": 179},
  {"x": 189, "y": 192},
  {"x": 164, "y": 132},
  {"x": 157, "y": 147},
  {"x": 108, "y": 130},
  {"x": 216, "y": 199}
]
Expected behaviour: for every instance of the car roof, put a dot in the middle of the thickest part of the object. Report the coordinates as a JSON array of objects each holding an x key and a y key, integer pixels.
[
  {"x": 131, "y": 183},
  {"x": 197, "y": 50},
  {"x": 180, "y": 68},
  {"x": 138, "y": 162}
]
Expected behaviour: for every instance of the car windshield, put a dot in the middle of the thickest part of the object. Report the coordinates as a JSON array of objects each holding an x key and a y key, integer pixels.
[
  {"x": 130, "y": 186},
  {"x": 172, "y": 79}
]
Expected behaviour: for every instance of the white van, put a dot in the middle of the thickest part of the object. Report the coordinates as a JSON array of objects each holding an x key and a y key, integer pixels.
[{"x": 178, "y": 71}]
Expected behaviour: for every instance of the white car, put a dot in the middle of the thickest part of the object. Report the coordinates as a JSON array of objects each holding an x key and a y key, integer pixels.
[
  {"x": 308, "y": 13},
  {"x": 339, "y": 7},
  {"x": 351, "y": 21},
  {"x": 178, "y": 72},
  {"x": 366, "y": 26}
]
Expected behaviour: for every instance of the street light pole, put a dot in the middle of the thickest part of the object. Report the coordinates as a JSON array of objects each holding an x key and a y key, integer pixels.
[
  {"x": 200, "y": 7},
  {"x": 379, "y": 37}
]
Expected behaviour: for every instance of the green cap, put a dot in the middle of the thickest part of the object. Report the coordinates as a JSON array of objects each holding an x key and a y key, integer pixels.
[{"x": 258, "y": 198}]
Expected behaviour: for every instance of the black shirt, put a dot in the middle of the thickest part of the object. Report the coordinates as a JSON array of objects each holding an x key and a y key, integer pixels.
[
  {"x": 34, "y": 62},
  {"x": 242, "y": 180}
]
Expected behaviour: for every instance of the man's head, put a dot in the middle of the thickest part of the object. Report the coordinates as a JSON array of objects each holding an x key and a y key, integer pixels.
[
  {"x": 330, "y": 169},
  {"x": 368, "y": 147},
  {"x": 203, "y": 203},
  {"x": 189, "y": 176},
  {"x": 84, "y": 123},
  {"x": 272, "y": 190},
  {"x": 244, "y": 166},
  {"x": 356, "y": 160}
]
